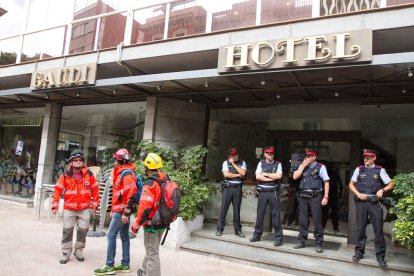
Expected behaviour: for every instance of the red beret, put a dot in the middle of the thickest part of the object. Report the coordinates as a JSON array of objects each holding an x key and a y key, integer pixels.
[
  {"x": 269, "y": 150},
  {"x": 311, "y": 152},
  {"x": 233, "y": 151},
  {"x": 368, "y": 152}
]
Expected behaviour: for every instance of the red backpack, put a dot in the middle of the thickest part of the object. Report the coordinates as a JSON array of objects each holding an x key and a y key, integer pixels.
[{"x": 169, "y": 204}]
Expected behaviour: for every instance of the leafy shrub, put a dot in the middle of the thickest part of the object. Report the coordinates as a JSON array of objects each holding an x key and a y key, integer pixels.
[
  {"x": 184, "y": 165},
  {"x": 404, "y": 209}
]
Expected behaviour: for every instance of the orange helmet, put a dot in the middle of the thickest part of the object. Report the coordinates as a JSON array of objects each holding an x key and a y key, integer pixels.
[{"x": 122, "y": 154}]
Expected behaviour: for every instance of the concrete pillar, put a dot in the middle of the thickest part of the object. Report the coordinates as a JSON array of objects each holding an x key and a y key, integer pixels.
[
  {"x": 48, "y": 142},
  {"x": 150, "y": 118}
]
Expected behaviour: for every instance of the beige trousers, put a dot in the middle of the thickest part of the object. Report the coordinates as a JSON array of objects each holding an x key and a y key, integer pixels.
[
  {"x": 70, "y": 220},
  {"x": 151, "y": 265}
]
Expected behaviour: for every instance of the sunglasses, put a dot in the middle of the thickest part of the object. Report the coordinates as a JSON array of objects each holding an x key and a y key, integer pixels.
[{"x": 77, "y": 160}]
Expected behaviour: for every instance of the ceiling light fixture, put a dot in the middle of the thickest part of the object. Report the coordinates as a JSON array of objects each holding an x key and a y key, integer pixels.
[
  {"x": 330, "y": 78},
  {"x": 159, "y": 87},
  {"x": 19, "y": 99},
  {"x": 263, "y": 82},
  {"x": 277, "y": 96},
  {"x": 410, "y": 73},
  {"x": 46, "y": 96},
  {"x": 77, "y": 95},
  {"x": 403, "y": 91},
  {"x": 191, "y": 100},
  {"x": 336, "y": 94},
  {"x": 227, "y": 98},
  {"x": 206, "y": 84},
  {"x": 114, "y": 91}
]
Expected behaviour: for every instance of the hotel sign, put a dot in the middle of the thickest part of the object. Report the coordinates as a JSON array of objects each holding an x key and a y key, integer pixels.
[
  {"x": 315, "y": 50},
  {"x": 64, "y": 77}
]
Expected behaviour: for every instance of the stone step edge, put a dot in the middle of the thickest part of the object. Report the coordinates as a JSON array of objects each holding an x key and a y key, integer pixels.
[
  {"x": 303, "y": 253},
  {"x": 187, "y": 246},
  {"x": 23, "y": 202}
]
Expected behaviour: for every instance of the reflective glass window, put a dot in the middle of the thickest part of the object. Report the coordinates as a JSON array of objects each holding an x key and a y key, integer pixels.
[
  {"x": 98, "y": 130},
  {"x": 111, "y": 31},
  {"x": 329, "y": 7},
  {"x": 285, "y": 10},
  {"x": 8, "y": 49},
  {"x": 234, "y": 14},
  {"x": 47, "y": 13},
  {"x": 148, "y": 24},
  {"x": 186, "y": 18},
  {"x": 11, "y": 20}
]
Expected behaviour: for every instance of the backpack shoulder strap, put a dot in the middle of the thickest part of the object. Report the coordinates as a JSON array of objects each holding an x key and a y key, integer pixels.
[{"x": 124, "y": 172}]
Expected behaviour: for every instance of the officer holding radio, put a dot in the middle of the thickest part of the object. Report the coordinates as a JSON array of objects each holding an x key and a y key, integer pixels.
[
  {"x": 313, "y": 192},
  {"x": 268, "y": 175},
  {"x": 369, "y": 183},
  {"x": 234, "y": 170}
]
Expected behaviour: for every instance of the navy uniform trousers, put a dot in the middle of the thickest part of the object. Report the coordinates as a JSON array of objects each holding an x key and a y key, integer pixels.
[
  {"x": 310, "y": 205},
  {"x": 374, "y": 211},
  {"x": 271, "y": 198},
  {"x": 231, "y": 195}
]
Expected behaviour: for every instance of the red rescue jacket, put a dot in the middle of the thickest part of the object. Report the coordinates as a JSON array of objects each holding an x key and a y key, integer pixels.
[
  {"x": 149, "y": 201},
  {"x": 79, "y": 195},
  {"x": 123, "y": 194}
]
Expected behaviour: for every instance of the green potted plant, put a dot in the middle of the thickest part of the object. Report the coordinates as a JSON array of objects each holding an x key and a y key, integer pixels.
[{"x": 404, "y": 210}]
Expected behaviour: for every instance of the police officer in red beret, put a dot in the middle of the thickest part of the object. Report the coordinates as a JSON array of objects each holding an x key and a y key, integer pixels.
[
  {"x": 268, "y": 175},
  {"x": 369, "y": 183},
  {"x": 313, "y": 192},
  {"x": 234, "y": 170}
]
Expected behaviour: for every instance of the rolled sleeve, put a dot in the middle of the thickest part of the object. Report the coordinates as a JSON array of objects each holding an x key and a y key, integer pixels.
[
  {"x": 225, "y": 166},
  {"x": 384, "y": 176},
  {"x": 259, "y": 168},
  {"x": 324, "y": 174},
  {"x": 279, "y": 168},
  {"x": 244, "y": 166},
  {"x": 355, "y": 175}
]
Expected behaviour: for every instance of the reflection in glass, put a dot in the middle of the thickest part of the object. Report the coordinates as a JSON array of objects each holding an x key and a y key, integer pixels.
[
  {"x": 186, "y": 18},
  {"x": 83, "y": 37},
  {"x": 111, "y": 31},
  {"x": 49, "y": 13},
  {"x": 86, "y": 8},
  {"x": 329, "y": 7},
  {"x": 398, "y": 2},
  {"x": 8, "y": 50},
  {"x": 35, "y": 46},
  {"x": 148, "y": 24},
  {"x": 11, "y": 21},
  {"x": 285, "y": 10},
  {"x": 240, "y": 14}
]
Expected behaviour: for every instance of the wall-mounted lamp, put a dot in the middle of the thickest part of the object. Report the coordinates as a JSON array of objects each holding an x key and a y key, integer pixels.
[
  {"x": 227, "y": 98},
  {"x": 46, "y": 96},
  {"x": 206, "y": 84},
  {"x": 336, "y": 94},
  {"x": 330, "y": 78},
  {"x": 410, "y": 73},
  {"x": 403, "y": 91},
  {"x": 19, "y": 99},
  {"x": 159, "y": 87},
  {"x": 191, "y": 100},
  {"x": 77, "y": 95},
  {"x": 263, "y": 82},
  {"x": 277, "y": 96},
  {"x": 114, "y": 91}
]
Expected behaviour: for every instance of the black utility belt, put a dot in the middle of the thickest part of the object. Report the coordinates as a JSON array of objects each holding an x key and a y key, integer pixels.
[
  {"x": 232, "y": 185},
  {"x": 267, "y": 189},
  {"x": 309, "y": 194},
  {"x": 370, "y": 198}
]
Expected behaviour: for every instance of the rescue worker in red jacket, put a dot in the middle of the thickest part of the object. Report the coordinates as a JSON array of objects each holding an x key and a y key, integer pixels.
[
  {"x": 124, "y": 192},
  {"x": 80, "y": 187},
  {"x": 148, "y": 216}
]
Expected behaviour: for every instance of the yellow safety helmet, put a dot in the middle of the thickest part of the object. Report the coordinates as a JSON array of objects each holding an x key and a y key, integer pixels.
[{"x": 153, "y": 161}]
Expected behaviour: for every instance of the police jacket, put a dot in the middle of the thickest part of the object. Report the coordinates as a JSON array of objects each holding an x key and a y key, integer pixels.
[
  {"x": 125, "y": 191},
  {"x": 149, "y": 201},
  {"x": 78, "y": 193},
  {"x": 269, "y": 168},
  {"x": 235, "y": 180},
  {"x": 369, "y": 181},
  {"x": 310, "y": 179}
]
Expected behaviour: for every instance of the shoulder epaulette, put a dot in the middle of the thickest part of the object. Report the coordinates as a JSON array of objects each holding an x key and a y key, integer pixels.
[{"x": 378, "y": 167}]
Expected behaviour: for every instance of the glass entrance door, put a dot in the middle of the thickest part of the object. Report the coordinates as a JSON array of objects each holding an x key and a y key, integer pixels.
[{"x": 335, "y": 155}]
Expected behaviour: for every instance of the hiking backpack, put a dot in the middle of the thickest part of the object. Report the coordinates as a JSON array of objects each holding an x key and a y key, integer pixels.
[
  {"x": 169, "y": 204},
  {"x": 138, "y": 183}
]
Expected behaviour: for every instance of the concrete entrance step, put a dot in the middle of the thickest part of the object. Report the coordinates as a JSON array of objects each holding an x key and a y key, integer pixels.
[
  {"x": 335, "y": 260},
  {"x": 21, "y": 201}
]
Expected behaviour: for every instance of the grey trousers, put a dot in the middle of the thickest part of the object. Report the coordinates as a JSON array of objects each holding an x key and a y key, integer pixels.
[
  {"x": 151, "y": 265},
  {"x": 70, "y": 220}
]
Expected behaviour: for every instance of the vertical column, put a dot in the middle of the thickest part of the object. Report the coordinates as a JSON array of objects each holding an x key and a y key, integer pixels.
[
  {"x": 150, "y": 118},
  {"x": 316, "y": 8},
  {"x": 258, "y": 12},
  {"x": 48, "y": 142}
]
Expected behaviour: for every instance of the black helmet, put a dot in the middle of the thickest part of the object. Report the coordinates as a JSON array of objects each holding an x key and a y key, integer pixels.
[{"x": 76, "y": 153}]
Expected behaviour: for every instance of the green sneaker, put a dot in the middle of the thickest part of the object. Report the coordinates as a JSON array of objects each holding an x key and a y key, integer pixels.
[
  {"x": 105, "y": 270},
  {"x": 122, "y": 268}
]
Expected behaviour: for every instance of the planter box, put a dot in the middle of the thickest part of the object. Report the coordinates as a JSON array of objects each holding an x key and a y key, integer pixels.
[{"x": 181, "y": 230}]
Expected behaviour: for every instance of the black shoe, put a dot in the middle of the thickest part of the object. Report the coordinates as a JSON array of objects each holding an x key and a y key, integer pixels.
[
  {"x": 299, "y": 245},
  {"x": 278, "y": 243},
  {"x": 239, "y": 233},
  {"x": 63, "y": 261},
  {"x": 254, "y": 239},
  {"x": 381, "y": 262},
  {"x": 319, "y": 249},
  {"x": 219, "y": 233},
  {"x": 356, "y": 258},
  {"x": 140, "y": 272}
]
